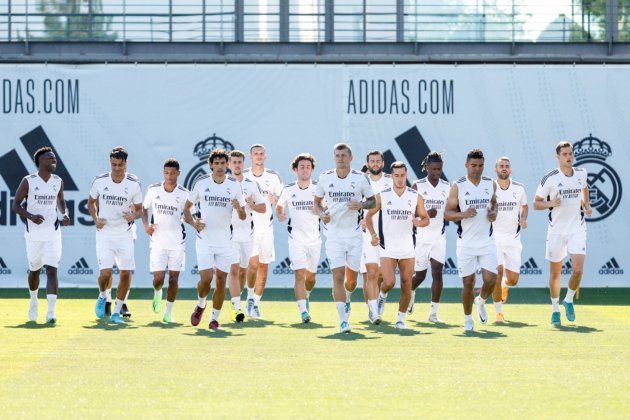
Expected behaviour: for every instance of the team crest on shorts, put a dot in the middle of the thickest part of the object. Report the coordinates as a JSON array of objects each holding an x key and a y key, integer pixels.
[
  {"x": 603, "y": 182},
  {"x": 202, "y": 151}
]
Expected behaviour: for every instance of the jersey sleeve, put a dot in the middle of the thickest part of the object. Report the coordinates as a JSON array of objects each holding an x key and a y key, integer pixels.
[
  {"x": 366, "y": 189},
  {"x": 238, "y": 194},
  {"x": 279, "y": 186},
  {"x": 257, "y": 194},
  {"x": 148, "y": 200},
  {"x": 282, "y": 201},
  {"x": 193, "y": 197},
  {"x": 523, "y": 200},
  {"x": 94, "y": 190},
  {"x": 137, "y": 197},
  {"x": 319, "y": 190},
  {"x": 543, "y": 190}
]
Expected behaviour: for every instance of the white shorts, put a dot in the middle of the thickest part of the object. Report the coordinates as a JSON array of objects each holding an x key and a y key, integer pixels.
[
  {"x": 559, "y": 245},
  {"x": 425, "y": 251},
  {"x": 242, "y": 252},
  {"x": 263, "y": 248},
  {"x": 172, "y": 259},
  {"x": 370, "y": 254},
  {"x": 116, "y": 249},
  {"x": 219, "y": 257},
  {"x": 469, "y": 260},
  {"x": 344, "y": 251},
  {"x": 509, "y": 254},
  {"x": 40, "y": 253},
  {"x": 304, "y": 256},
  {"x": 397, "y": 253}
]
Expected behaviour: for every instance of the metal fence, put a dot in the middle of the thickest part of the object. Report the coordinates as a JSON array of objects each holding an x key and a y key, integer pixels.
[{"x": 313, "y": 21}]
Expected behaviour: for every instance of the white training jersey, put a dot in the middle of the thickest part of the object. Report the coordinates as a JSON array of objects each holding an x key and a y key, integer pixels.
[
  {"x": 383, "y": 183},
  {"x": 270, "y": 183},
  {"x": 569, "y": 216},
  {"x": 114, "y": 199},
  {"x": 395, "y": 220},
  {"x": 244, "y": 229},
  {"x": 337, "y": 192},
  {"x": 303, "y": 224},
  {"x": 475, "y": 232},
  {"x": 214, "y": 203},
  {"x": 508, "y": 223},
  {"x": 42, "y": 200},
  {"x": 434, "y": 198},
  {"x": 167, "y": 209}
]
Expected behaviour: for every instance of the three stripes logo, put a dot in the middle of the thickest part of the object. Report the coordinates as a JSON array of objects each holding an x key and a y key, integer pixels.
[
  {"x": 80, "y": 267},
  {"x": 611, "y": 267},
  {"x": 324, "y": 267},
  {"x": 450, "y": 269},
  {"x": 4, "y": 270},
  {"x": 530, "y": 268},
  {"x": 567, "y": 268},
  {"x": 284, "y": 267}
]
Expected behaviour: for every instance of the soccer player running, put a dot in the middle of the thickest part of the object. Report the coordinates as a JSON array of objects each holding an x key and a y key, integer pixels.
[
  {"x": 303, "y": 226},
  {"x": 243, "y": 231},
  {"x": 431, "y": 240},
  {"x": 370, "y": 260},
  {"x": 564, "y": 191},
  {"x": 472, "y": 205},
  {"x": 400, "y": 211},
  {"x": 343, "y": 188},
  {"x": 43, "y": 193},
  {"x": 263, "y": 252},
  {"x": 166, "y": 201},
  {"x": 114, "y": 203},
  {"x": 216, "y": 195},
  {"x": 511, "y": 219}
]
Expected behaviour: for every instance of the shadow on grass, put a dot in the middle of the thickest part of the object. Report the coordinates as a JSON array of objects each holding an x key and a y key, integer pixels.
[
  {"x": 164, "y": 325},
  {"x": 104, "y": 324},
  {"x": 580, "y": 329},
  {"x": 251, "y": 323},
  {"x": 351, "y": 336},
  {"x": 485, "y": 335},
  {"x": 435, "y": 325},
  {"x": 32, "y": 325},
  {"x": 307, "y": 326},
  {"x": 220, "y": 333},
  {"x": 513, "y": 324}
]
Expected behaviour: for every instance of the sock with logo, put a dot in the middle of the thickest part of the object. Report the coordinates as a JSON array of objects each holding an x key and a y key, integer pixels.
[
  {"x": 236, "y": 302},
  {"x": 569, "y": 296},
  {"x": 555, "y": 304},
  {"x": 341, "y": 310},
  {"x": 302, "y": 305},
  {"x": 108, "y": 294},
  {"x": 215, "y": 314},
  {"x": 257, "y": 299},
  {"x": 201, "y": 302},
  {"x": 118, "y": 307},
  {"x": 434, "y": 307}
]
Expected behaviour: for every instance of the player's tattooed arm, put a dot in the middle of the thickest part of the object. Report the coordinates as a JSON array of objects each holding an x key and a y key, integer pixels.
[
  {"x": 369, "y": 221},
  {"x": 368, "y": 203}
]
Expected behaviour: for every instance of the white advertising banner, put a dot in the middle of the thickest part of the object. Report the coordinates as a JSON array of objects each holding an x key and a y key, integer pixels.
[{"x": 182, "y": 111}]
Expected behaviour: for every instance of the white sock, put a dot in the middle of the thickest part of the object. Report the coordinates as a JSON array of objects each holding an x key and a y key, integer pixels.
[
  {"x": 118, "y": 307},
  {"x": 157, "y": 292},
  {"x": 401, "y": 316},
  {"x": 169, "y": 307},
  {"x": 108, "y": 295},
  {"x": 236, "y": 301},
  {"x": 498, "y": 307},
  {"x": 102, "y": 295},
  {"x": 480, "y": 300},
  {"x": 504, "y": 282},
  {"x": 569, "y": 296},
  {"x": 373, "y": 306},
  {"x": 215, "y": 314},
  {"x": 33, "y": 294},
  {"x": 555, "y": 304},
  {"x": 434, "y": 307},
  {"x": 201, "y": 302},
  {"x": 257, "y": 299},
  {"x": 302, "y": 305},
  {"x": 341, "y": 310},
  {"x": 52, "y": 300},
  {"x": 468, "y": 318},
  {"x": 250, "y": 293},
  {"x": 382, "y": 295},
  {"x": 308, "y": 294},
  {"x": 127, "y": 296},
  {"x": 348, "y": 294}
]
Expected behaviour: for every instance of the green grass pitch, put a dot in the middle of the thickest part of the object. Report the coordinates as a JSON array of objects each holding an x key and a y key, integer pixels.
[{"x": 281, "y": 368}]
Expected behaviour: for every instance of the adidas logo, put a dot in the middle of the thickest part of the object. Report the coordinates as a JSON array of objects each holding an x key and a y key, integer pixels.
[
  {"x": 36, "y": 188},
  {"x": 195, "y": 270},
  {"x": 158, "y": 198},
  {"x": 80, "y": 267},
  {"x": 611, "y": 267},
  {"x": 207, "y": 190},
  {"x": 3, "y": 268},
  {"x": 567, "y": 268},
  {"x": 450, "y": 268},
  {"x": 424, "y": 193},
  {"x": 324, "y": 267},
  {"x": 560, "y": 184},
  {"x": 389, "y": 203},
  {"x": 106, "y": 189},
  {"x": 530, "y": 267},
  {"x": 467, "y": 193},
  {"x": 284, "y": 267},
  {"x": 331, "y": 186}
]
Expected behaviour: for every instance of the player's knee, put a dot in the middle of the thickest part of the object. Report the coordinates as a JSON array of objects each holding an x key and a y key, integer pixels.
[{"x": 51, "y": 271}]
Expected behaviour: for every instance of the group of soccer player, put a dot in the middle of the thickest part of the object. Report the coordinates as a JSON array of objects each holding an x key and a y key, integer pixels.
[{"x": 373, "y": 223}]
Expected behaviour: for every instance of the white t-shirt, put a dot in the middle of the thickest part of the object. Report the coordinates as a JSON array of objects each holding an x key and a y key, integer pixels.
[
  {"x": 270, "y": 183},
  {"x": 507, "y": 225},
  {"x": 42, "y": 200},
  {"x": 115, "y": 198},
  {"x": 303, "y": 224},
  {"x": 397, "y": 232},
  {"x": 568, "y": 217},
  {"x": 167, "y": 209},
  {"x": 215, "y": 205},
  {"x": 475, "y": 232},
  {"x": 434, "y": 198},
  {"x": 244, "y": 229},
  {"x": 383, "y": 183},
  {"x": 344, "y": 223}
]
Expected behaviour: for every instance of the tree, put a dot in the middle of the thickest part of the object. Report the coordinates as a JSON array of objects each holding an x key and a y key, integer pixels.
[{"x": 75, "y": 20}]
